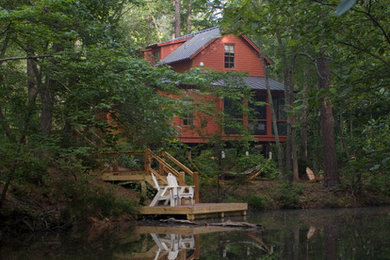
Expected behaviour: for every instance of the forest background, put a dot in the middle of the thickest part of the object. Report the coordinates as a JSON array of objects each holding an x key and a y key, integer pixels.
[{"x": 66, "y": 63}]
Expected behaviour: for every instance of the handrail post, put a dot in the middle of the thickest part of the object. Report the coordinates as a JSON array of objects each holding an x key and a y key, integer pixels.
[
  {"x": 182, "y": 178},
  {"x": 160, "y": 168},
  {"x": 147, "y": 162},
  {"x": 195, "y": 178}
]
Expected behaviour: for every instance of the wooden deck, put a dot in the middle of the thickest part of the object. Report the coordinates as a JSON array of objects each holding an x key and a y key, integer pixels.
[{"x": 197, "y": 211}]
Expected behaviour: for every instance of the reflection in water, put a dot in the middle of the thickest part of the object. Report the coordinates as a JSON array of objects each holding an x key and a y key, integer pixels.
[
  {"x": 310, "y": 235},
  {"x": 172, "y": 245}
]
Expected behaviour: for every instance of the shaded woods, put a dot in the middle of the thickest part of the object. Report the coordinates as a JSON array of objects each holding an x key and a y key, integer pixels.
[{"x": 73, "y": 85}]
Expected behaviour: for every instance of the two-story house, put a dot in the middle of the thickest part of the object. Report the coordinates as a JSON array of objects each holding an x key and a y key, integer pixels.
[{"x": 210, "y": 48}]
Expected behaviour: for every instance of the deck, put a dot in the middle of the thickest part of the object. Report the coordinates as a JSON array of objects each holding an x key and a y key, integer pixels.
[{"x": 197, "y": 211}]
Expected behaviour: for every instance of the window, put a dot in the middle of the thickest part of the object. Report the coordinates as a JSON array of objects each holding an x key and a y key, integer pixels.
[
  {"x": 258, "y": 107},
  {"x": 281, "y": 115},
  {"x": 156, "y": 56},
  {"x": 233, "y": 122},
  {"x": 258, "y": 110},
  {"x": 229, "y": 56},
  {"x": 278, "y": 103},
  {"x": 188, "y": 115},
  {"x": 233, "y": 108},
  {"x": 258, "y": 127}
]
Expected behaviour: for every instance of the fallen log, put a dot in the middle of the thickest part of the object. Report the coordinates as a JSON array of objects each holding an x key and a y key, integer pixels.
[
  {"x": 227, "y": 223},
  {"x": 235, "y": 224},
  {"x": 178, "y": 221}
]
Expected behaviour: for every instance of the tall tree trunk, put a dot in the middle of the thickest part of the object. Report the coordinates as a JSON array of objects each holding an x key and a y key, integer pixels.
[
  {"x": 273, "y": 114},
  {"x": 331, "y": 178},
  {"x": 293, "y": 141},
  {"x": 31, "y": 71},
  {"x": 189, "y": 12},
  {"x": 177, "y": 18},
  {"x": 304, "y": 152},
  {"x": 46, "y": 94},
  {"x": 287, "y": 163}
]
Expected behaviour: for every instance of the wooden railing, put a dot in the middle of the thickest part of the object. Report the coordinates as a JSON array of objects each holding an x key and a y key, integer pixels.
[
  {"x": 164, "y": 167},
  {"x": 152, "y": 160}
]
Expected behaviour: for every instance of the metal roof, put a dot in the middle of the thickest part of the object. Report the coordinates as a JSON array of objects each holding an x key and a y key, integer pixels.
[
  {"x": 191, "y": 46},
  {"x": 259, "y": 83}
]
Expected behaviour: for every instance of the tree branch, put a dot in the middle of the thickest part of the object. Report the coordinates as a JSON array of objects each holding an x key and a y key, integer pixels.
[
  {"x": 366, "y": 51},
  {"x": 375, "y": 22},
  {"x": 27, "y": 57},
  {"x": 312, "y": 59}
]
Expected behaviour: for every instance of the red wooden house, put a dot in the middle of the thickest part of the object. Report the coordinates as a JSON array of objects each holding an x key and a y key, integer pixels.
[{"x": 209, "y": 48}]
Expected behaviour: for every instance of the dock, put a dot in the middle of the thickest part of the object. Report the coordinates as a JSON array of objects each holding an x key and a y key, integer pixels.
[{"x": 199, "y": 210}]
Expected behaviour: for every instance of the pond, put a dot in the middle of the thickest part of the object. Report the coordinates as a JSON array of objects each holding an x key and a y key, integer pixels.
[{"x": 295, "y": 234}]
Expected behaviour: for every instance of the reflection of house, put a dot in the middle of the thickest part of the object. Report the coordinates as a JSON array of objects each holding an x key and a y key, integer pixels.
[{"x": 209, "y": 48}]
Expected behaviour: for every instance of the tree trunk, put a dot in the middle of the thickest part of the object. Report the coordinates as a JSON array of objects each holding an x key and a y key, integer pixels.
[
  {"x": 269, "y": 94},
  {"x": 31, "y": 65},
  {"x": 287, "y": 164},
  {"x": 304, "y": 152},
  {"x": 189, "y": 12},
  {"x": 331, "y": 178},
  {"x": 293, "y": 142},
  {"x": 47, "y": 100},
  {"x": 177, "y": 18},
  {"x": 46, "y": 92}
]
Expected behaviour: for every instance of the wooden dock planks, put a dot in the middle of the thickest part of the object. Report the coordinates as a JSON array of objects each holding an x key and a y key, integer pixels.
[{"x": 196, "y": 211}]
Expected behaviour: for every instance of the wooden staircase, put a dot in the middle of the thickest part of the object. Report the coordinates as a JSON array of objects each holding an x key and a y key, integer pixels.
[{"x": 160, "y": 165}]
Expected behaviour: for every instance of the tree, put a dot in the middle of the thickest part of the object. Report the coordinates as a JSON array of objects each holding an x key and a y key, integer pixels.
[
  {"x": 64, "y": 69},
  {"x": 355, "y": 44},
  {"x": 177, "y": 18}
]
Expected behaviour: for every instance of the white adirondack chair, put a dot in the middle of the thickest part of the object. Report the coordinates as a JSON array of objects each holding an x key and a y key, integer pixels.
[
  {"x": 163, "y": 194},
  {"x": 180, "y": 192}
]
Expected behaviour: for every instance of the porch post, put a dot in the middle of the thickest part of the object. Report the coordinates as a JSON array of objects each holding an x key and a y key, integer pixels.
[{"x": 195, "y": 178}]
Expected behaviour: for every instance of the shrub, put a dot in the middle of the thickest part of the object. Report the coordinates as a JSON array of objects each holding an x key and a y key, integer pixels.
[
  {"x": 87, "y": 200},
  {"x": 288, "y": 195},
  {"x": 258, "y": 201}
]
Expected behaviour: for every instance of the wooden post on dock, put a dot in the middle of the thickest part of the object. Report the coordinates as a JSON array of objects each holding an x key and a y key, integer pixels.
[
  {"x": 147, "y": 162},
  {"x": 143, "y": 189},
  {"x": 196, "y": 186},
  {"x": 182, "y": 178}
]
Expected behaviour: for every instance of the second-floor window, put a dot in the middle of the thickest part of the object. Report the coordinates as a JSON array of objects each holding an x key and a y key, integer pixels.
[{"x": 229, "y": 56}]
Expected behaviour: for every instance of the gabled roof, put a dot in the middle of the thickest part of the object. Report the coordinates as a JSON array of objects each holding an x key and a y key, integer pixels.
[{"x": 193, "y": 45}]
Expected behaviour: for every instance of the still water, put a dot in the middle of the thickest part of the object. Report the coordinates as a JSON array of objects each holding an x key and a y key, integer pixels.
[{"x": 298, "y": 234}]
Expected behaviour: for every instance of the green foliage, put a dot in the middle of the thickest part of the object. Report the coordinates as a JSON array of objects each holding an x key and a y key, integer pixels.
[
  {"x": 131, "y": 162},
  {"x": 258, "y": 201},
  {"x": 208, "y": 165},
  {"x": 288, "y": 195},
  {"x": 86, "y": 200},
  {"x": 369, "y": 167},
  {"x": 270, "y": 170}
]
